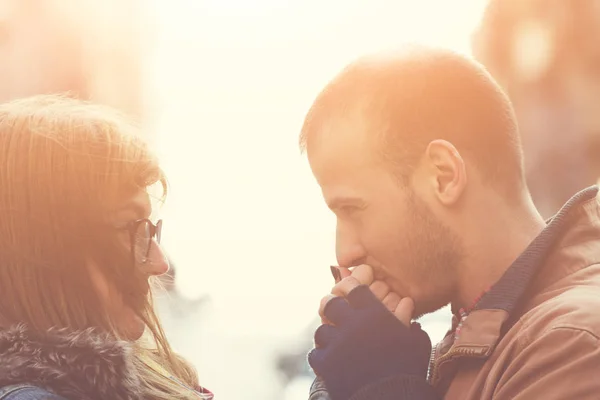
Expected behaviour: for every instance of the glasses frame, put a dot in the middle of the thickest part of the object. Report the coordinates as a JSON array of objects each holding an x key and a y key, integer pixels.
[{"x": 155, "y": 233}]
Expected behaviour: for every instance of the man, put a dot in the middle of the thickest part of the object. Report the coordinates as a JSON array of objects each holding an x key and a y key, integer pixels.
[{"x": 418, "y": 155}]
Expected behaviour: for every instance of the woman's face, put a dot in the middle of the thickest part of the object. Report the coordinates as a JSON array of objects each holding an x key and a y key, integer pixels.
[{"x": 156, "y": 263}]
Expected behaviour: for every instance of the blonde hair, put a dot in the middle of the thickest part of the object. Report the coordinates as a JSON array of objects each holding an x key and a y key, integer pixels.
[{"x": 66, "y": 163}]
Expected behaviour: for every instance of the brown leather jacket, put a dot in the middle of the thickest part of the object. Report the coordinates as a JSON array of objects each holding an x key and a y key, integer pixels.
[{"x": 536, "y": 334}]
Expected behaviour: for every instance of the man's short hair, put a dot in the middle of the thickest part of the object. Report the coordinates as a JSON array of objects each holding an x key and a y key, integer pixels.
[{"x": 410, "y": 98}]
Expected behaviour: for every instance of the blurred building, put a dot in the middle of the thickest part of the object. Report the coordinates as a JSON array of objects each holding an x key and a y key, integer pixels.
[
  {"x": 93, "y": 49},
  {"x": 546, "y": 55}
]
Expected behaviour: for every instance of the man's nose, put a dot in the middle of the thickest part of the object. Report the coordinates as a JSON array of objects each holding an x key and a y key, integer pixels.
[
  {"x": 158, "y": 263},
  {"x": 348, "y": 249}
]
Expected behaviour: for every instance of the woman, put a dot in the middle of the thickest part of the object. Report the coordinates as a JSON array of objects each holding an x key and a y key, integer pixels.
[{"x": 78, "y": 254}]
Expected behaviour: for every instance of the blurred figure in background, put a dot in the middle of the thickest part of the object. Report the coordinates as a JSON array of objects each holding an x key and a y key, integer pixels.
[
  {"x": 78, "y": 256},
  {"x": 93, "y": 49},
  {"x": 545, "y": 54}
]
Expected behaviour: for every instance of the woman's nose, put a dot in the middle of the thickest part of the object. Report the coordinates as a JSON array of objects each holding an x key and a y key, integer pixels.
[{"x": 157, "y": 262}]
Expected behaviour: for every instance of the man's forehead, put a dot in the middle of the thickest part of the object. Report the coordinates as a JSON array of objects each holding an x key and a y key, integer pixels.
[
  {"x": 341, "y": 136},
  {"x": 338, "y": 157}
]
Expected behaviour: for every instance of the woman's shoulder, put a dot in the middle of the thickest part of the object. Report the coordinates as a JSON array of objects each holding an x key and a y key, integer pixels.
[
  {"x": 27, "y": 392},
  {"x": 205, "y": 393}
]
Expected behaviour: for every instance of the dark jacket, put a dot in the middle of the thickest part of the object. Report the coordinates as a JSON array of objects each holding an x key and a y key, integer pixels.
[
  {"x": 27, "y": 392},
  {"x": 74, "y": 365},
  {"x": 318, "y": 391}
]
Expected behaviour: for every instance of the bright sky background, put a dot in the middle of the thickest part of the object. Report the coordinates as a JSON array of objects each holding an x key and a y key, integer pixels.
[{"x": 244, "y": 220}]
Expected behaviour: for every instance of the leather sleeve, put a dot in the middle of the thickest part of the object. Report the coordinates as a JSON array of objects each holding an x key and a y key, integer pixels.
[
  {"x": 318, "y": 391},
  {"x": 401, "y": 387},
  {"x": 560, "y": 364}
]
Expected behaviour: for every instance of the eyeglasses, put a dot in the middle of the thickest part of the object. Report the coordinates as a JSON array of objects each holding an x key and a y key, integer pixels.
[{"x": 141, "y": 233}]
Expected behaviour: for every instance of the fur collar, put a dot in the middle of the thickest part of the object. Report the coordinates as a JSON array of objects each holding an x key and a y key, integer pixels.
[{"x": 83, "y": 365}]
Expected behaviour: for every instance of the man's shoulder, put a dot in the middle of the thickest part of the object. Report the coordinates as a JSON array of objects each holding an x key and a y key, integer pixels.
[
  {"x": 575, "y": 307},
  {"x": 27, "y": 392}
]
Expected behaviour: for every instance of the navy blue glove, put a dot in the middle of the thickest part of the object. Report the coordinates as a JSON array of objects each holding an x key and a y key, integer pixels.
[{"x": 366, "y": 345}]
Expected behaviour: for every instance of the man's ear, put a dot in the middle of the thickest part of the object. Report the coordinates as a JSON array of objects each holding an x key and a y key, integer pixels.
[{"x": 446, "y": 171}]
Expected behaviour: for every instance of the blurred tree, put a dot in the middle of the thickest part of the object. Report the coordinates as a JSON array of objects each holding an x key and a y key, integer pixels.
[{"x": 546, "y": 55}]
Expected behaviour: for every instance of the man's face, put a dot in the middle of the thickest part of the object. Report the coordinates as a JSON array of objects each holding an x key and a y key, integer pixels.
[{"x": 382, "y": 222}]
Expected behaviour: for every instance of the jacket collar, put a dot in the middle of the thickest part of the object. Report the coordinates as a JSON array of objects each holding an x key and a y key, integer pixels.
[
  {"x": 569, "y": 230},
  {"x": 82, "y": 365}
]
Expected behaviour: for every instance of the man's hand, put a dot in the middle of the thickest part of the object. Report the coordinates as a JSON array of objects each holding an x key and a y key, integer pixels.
[
  {"x": 402, "y": 308},
  {"x": 363, "y": 341}
]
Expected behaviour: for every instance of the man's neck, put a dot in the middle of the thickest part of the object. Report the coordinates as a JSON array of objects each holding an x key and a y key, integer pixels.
[{"x": 492, "y": 242}]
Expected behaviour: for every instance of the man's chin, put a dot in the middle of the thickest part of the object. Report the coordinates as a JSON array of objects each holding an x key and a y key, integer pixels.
[{"x": 425, "y": 309}]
